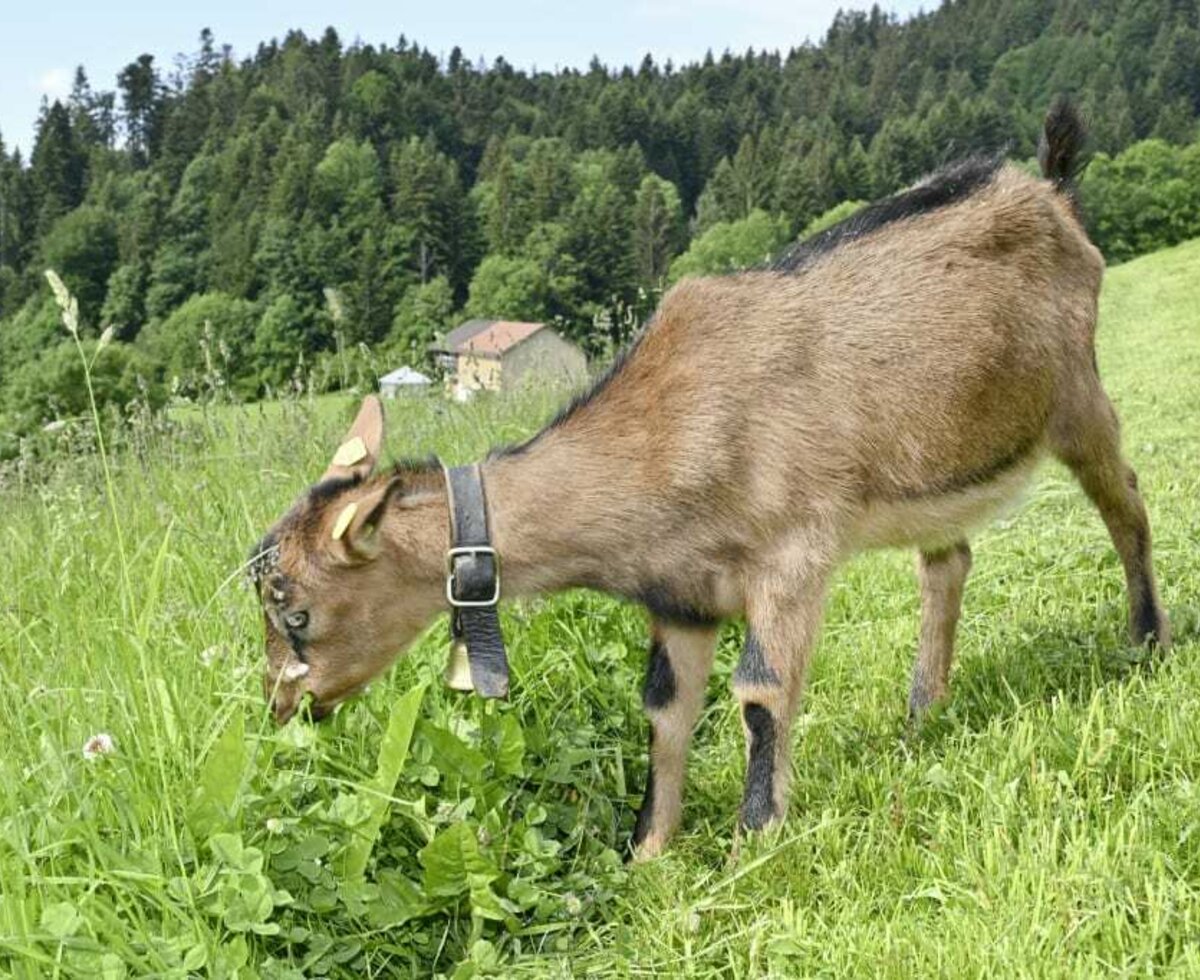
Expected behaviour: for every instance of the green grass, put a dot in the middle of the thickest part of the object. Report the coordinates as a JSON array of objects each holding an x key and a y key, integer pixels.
[{"x": 1044, "y": 823}]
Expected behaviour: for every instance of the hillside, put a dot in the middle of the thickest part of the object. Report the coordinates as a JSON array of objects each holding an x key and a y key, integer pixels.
[
  {"x": 1046, "y": 820},
  {"x": 254, "y": 217}
]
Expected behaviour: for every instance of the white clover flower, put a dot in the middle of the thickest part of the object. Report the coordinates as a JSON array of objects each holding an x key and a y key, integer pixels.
[
  {"x": 274, "y": 825},
  {"x": 99, "y": 744}
]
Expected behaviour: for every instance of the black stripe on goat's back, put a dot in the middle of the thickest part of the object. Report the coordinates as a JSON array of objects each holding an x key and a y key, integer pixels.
[
  {"x": 944, "y": 187},
  {"x": 940, "y": 189}
]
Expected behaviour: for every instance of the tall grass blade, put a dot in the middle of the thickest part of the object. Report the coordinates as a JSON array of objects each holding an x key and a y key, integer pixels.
[
  {"x": 215, "y": 802},
  {"x": 392, "y": 755}
]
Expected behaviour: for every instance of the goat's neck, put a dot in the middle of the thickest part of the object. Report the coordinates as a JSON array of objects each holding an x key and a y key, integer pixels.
[{"x": 567, "y": 512}]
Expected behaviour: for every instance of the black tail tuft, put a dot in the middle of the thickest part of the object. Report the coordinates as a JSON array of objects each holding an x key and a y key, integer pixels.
[{"x": 1060, "y": 150}]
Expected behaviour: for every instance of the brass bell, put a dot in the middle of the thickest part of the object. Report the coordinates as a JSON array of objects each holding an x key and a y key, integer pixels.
[{"x": 458, "y": 668}]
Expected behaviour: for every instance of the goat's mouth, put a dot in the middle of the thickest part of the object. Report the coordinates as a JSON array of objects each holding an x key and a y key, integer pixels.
[
  {"x": 285, "y": 709},
  {"x": 319, "y": 712},
  {"x": 318, "y": 709}
]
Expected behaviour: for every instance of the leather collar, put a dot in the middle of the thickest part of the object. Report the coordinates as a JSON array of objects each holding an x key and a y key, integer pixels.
[{"x": 473, "y": 582}]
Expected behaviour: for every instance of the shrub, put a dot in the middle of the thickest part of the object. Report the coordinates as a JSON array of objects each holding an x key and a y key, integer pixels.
[
  {"x": 280, "y": 340},
  {"x": 839, "y": 212},
  {"x": 1143, "y": 199},
  {"x": 52, "y": 386},
  {"x": 732, "y": 245},
  {"x": 82, "y": 246},
  {"x": 506, "y": 286},
  {"x": 206, "y": 344},
  {"x": 424, "y": 311},
  {"x": 35, "y": 327}
]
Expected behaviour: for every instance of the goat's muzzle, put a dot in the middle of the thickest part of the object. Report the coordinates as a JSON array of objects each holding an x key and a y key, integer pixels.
[{"x": 284, "y": 692}]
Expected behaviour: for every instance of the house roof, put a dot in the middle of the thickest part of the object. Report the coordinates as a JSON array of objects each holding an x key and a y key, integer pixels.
[
  {"x": 499, "y": 337},
  {"x": 492, "y": 338},
  {"x": 404, "y": 376},
  {"x": 460, "y": 335}
]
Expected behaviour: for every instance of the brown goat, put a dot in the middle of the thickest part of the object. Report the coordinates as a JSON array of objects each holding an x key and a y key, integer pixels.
[{"x": 892, "y": 382}]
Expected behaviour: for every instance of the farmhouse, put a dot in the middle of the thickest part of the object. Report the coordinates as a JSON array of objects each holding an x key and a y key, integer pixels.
[
  {"x": 498, "y": 355},
  {"x": 403, "y": 381}
]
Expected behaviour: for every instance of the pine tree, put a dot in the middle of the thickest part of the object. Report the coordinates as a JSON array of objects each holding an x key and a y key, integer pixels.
[
  {"x": 82, "y": 104},
  {"x": 10, "y": 230},
  {"x": 427, "y": 201},
  {"x": 142, "y": 103},
  {"x": 658, "y": 229},
  {"x": 59, "y": 166}
]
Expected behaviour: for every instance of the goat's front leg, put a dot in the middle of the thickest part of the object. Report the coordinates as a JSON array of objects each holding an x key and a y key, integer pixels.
[
  {"x": 783, "y": 619},
  {"x": 680, "y": 661}
]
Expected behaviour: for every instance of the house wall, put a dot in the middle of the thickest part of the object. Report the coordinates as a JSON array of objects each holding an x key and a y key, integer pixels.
[
  {"x": 477, "y": 372},
  {"x": 544, "y": 357},
  {"x": 402, "y": 391}
]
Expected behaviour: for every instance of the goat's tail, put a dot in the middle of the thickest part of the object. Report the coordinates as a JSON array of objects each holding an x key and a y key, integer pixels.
[{"x": 1060, "y": 149}]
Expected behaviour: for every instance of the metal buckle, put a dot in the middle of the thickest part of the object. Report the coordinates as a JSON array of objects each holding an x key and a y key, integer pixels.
[{"x": 472, "y": 551}]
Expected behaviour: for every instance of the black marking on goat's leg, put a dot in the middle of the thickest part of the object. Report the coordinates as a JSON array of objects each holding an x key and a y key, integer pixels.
[
  {"x": 659, "y": 688},
  {"x": 645, "y": 817},
  {"x": 679, "y": 664},
  {"x": 1145, "y": 616},
  {"x": 1146, "y": 630},
  {"x": 920, "y": 695},
  {"x": 758, "y": 804},
  {"x": 752, "y": 666}
]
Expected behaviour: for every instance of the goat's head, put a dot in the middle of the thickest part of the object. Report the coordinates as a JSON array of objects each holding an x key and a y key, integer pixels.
[{"x": 351, "y": 574}]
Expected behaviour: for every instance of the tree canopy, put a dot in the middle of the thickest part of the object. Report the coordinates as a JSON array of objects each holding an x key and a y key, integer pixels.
[{"x": 229, "y": 198}]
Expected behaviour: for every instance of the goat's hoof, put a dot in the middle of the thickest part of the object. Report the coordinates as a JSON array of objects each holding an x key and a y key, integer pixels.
[
  {"x": 647, "y": 849},
  {"x": 752, "y": 837}
]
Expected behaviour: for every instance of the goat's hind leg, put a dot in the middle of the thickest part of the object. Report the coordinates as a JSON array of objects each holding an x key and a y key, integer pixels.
[
  {"x": 1088, "y": 441},
  {"x": 942, "y": 575},
  {"x": 676, "y": 676}
]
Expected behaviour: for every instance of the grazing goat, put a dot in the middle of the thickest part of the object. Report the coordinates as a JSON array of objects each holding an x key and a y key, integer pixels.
[{"x": 892, "y": 381}]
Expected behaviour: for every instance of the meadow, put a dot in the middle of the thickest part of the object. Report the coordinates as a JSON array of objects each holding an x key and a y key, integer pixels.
[{"x": 1045, "y": 822}]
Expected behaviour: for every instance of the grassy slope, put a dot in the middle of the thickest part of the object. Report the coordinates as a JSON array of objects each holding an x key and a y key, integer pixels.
[{"x": 1046, "y": 822}]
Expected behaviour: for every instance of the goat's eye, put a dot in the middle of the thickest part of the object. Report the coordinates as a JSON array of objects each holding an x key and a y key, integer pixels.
[{"x": 296, "y": 620}]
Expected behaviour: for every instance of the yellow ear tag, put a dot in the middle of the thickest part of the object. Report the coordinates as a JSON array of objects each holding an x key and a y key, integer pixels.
[
  {"x": 344, "y": 519},
  {"x": 350, "y": 452}
]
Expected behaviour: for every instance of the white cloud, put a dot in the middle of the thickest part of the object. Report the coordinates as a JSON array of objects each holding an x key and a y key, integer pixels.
[{"x": 55, "y": 83}]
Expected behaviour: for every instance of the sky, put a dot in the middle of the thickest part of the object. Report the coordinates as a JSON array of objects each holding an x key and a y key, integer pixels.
[{"x": 42, "y": 42}]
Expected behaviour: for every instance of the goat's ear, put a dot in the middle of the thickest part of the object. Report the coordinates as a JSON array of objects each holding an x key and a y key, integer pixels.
[
  {"x": 358, "y": 454},
  {"x": 354, "y": 535}
]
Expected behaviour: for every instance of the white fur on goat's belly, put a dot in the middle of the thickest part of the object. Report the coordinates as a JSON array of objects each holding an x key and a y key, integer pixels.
[{"x": 940, "y": 520}]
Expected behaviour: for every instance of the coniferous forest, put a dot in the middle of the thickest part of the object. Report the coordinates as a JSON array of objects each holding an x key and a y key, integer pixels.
[{"x": 248, "y": 219}]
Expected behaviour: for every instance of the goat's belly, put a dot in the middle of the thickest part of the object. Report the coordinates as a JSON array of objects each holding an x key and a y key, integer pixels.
[{"x": 938, "y": 520}]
